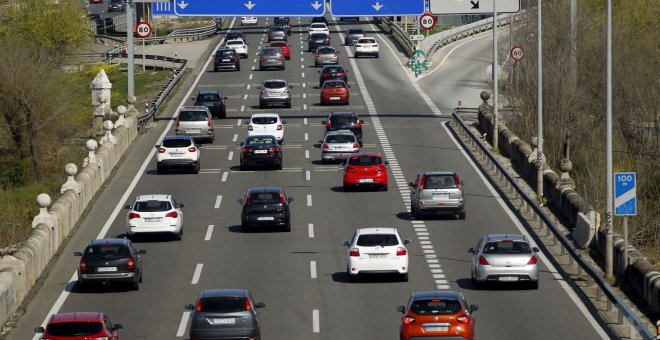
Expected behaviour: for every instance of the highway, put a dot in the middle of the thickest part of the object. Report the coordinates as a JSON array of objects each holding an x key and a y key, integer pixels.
[{"x": 300, "y": 275}]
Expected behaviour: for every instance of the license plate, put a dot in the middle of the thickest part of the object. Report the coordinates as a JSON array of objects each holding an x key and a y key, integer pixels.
[
  {"x": 223, "y": 321},
  {"x": 377, "y": 256},
  {"x": 440, "y": 196},
  {"x": 260, "y": 151},
  {"x": 508, "y": 278},
  {"x": 366, "y": 180},
  {"x": 193, "y": 130},
  {"x": 106, "y": 269},
  {"x": 265, "y": 218},
  {"x": 226, "y": 60},
  {"x": 176, "y": 154},
  {"x": 153, "y": 219},
  {"x": 334, "y": 98},
  {"x": 436, "y": 328}
]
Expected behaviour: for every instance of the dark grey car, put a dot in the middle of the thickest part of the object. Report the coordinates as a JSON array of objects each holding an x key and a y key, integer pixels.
[
  {"x": 277, "y": 33},
  {"x": 317, "y": 39},
  {"x": 352, "y": 35},
  {"x": 225, "y": 314},
  {"x": 108, "y": 261},
  {"x": 265, "y": 206},
  {"x": 271, "y": 57}
]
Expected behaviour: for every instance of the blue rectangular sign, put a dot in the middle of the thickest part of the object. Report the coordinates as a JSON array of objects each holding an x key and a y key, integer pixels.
[
  {"x": 162, "y": 8},
  {"x": 257, "y": 8},
  {"x": 376, "y": 7},
  {"x": 625, "y": 193}
]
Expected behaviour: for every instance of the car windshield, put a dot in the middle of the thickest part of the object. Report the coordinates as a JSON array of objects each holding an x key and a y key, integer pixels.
[
  {"x": 271, "y": 52},
  {"x": 342, "y": 120},
  {"x": 435, "y": 307},
  {"x": 176, "y": 143},
  {"x": 224, "y": 304},
  {"x": 364, "y": 160},
  {"x": 152, "y": 206},
  {"x": 277, "y": 84},
  {"x": 192, "y": 116},
  {"x": 74, "y": 329},
  {"x": 264, "y": 120},
  {"x": 372, "y": 240},
  {"x": 507, "y": 247},
  {"x": 439, "y": 182},
  {"x": 208, "y": 98},
  {"x": 343, "y": 138},
  {"x": 235, "y": 42},
  {"x": 106, "y": 252},
  {"x": 260, "y": 140},
  {"x": 367, "y": 41},
  {"x": 334, "y": 84},
  {"x": 264, "y": 198}
]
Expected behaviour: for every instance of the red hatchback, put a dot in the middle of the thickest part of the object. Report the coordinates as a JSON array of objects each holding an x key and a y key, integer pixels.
[
  {"x": 284, "y": 46},
  {"x": 334, "y": 91},
  {"x": 365, "y": 170},
  {"x": 79, "y": 326}
]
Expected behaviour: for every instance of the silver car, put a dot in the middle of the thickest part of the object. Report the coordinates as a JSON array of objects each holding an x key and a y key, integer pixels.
[
  {"x": 338, "y": 145},
  {"x": 326, "y": 55},
  {"x": 439, "y": 192},
  {"x": 271, "y": 57},
  {"x": 273, "y": 92},
  {"x": 195, "y": 121},
  {"x": 504, "y": 258}
]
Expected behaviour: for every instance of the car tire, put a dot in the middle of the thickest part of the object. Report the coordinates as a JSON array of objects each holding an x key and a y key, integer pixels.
[
  {"x": 197, "y": 168},
  {"x": 534, "y": 285},
  {"x": 348, "y": 102},
  {"x": 140, "y": 280},
  {"x": 178, "y": 236},
  {"x": 287, "y": 227},
  {"x": 243, "y": 167},
  {"x": 82, "y": 287},
  {"x": 262, "y": 105},
  {"x": 238, "y": 68},
  {"x": 159, "y": 171},
  {"x": 347, "y": 188},
  {"x": 384, "y": 188},
  {"x": 288, "y": 105},
  {"x": 135, "y": 285},
  {"x": 279, "y": 167},
  {"x": 350, "y": 278},
  {"x": 357, "y": 55},
  {"x": 404, "y": 277},
  {"x": 417, "y": 215},
  {"x": 376, "y": 55},
  {"x": 461, "y": 216},
  {"x": 283, "y": 67}
]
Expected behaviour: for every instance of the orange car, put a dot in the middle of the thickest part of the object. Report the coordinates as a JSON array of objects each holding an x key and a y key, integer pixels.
[
  {"x": 437, "y": 314},
  {"x": 335, "y": 91}
]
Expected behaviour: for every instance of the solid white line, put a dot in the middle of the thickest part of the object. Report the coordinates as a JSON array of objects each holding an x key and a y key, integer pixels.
[
  {"x": 224, "y": 176},
  {"x": 316, "y": 328},
  {"x": 312, "y": 269},
  {"x": 309, "y": 200},
  {"x": 307, "y": 174},
  {"x": 218, "y": 200},
  {"x": 310, "y": 230},
  {"x": 231, "y": 155},
  {"x": 196, "y": 275},
  {"x": 209, "y": 232},
  {"x": 238, "y": 122},
  {"x": 182, "y": 325}
]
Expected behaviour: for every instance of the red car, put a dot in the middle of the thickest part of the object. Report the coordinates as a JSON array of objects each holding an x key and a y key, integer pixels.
[
  {"x": 436, "y": 315},
  {"x": 365, "y": 170},
  {"x": 284, "y": 46},
  {"x": 79, "y": 326},
  {"x": 335, "y": 91}
]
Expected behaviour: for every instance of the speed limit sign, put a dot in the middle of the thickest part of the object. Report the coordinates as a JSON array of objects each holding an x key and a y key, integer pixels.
[
  {"x": 143, "y": 29},
  {"x": 517, "y": 53},
  {"x": 427, "y": 21}
]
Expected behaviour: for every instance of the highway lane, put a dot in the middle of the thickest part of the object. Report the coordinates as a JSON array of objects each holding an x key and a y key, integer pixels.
[{"x": 279, "y": 268}]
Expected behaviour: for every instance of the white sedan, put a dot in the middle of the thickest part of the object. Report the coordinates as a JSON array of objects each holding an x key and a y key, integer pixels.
[
  {"x": 155, "y": 214},
  {"x": 376, "y": 250},
  {"x": 366, "y": 45},
  {"x": 239, "y": 46},
  {"x": 316, "y": 27},
  {"x": 248, "y": 21},
  {"x": 267, "y": 124}
]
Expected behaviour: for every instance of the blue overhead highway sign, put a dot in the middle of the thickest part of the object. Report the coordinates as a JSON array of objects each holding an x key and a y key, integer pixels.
[
  {"x": 255, "y": 8},
  {"x": 376, "y": 7},
  {"x": 162, "y": 8},
  {"x": 625, "y": 193}
]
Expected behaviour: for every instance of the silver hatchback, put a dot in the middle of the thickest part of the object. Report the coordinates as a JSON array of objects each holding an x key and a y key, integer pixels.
[
  {"x": 338, "y": 145},
  {"x": 504, "y": 258},
  {"x": 439, "y": 192},
  {"x": 271, "y": 57},
  {"x": 195, "y": 121},
  {"x": 326, "y": 55},
  {"x": 273, "y": 92}
]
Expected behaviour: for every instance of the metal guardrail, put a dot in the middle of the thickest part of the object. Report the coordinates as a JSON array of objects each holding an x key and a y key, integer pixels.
[
  {"x": 399, "y": 32},
  {"x": 186, "y": 34},
  {"x": 593, "y": 276}
]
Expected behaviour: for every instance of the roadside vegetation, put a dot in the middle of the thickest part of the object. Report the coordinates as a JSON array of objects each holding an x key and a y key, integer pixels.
[{"x": 577, "y": 109}]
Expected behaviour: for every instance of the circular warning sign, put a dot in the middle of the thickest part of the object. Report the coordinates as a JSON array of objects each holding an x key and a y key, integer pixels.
[
  {"x": 427, "y": 21},
  {"x": 517, "y": 53},
  {"x": 143, "y": 29}
]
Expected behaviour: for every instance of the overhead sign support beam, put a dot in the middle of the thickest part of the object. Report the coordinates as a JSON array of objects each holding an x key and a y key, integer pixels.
[{"x": 256, "y": 8}]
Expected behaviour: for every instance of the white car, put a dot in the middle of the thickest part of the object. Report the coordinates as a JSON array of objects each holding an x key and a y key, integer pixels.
[
  {"x": 267, "y": 124},
  {"x": 376, "y": 250},
  {"x": 155, "y": 214},
  {"x": 318, "y": 27},
  {"x": 248, "y": 21},
  {"x": 366, "y": 45},
  {"x": 239, "y": 46},
  {"x": 177, "y": 152}
]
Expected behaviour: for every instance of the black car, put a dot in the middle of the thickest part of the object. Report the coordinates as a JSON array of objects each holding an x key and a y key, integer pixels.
[
  {"x": 352, "y": 35},
  {"x": 265, "y": 206},
  {"x": 277, "y": 33},
  {"x": 110, "y": 261},
  {"x": 225, "y": 314},
  {"x": 315, "y": 40},
  {"x": 342, "y": 19},
  {"x": 330, "y": 72},
  {"x": 214, "y": 101},
  {"x": 320, "y": 19},
  {"x": 235, "y": 35},
  {"x": 117, "y": 5},
  {"x": 284, "y": 22},
  {"x": 344, "y": 121},
  {"x": 226, "y": 59},
  {"x": 260, "y": 150}
]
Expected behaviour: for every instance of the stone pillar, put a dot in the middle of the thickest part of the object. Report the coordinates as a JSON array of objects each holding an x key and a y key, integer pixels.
[
  {"x": 131, "y": 110},
  {"x": 44, "y": 217},
  {"x": 121, "y": 121},
  {"x": 565, "y": 166},
  {"x": 91, "y": 146},
  {"x": 101, "y": 87},
  {"x": 71, "y": 170},
  {"x": 108, "y": 126}
]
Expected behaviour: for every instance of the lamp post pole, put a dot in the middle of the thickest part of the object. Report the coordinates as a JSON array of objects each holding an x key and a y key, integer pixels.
[
  {"x": 130, "y": 48},
  {"x": 608, "y": 227},
  {"x": 495, "y": 87}
]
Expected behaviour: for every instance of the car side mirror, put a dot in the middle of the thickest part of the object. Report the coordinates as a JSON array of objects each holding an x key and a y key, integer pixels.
[
  {"x": 182, "y": 205},
  {"x": 387, "y": 163},
  {"x": 128, "y": 206},
  {"x": 535, "y": 249},
  {"x": 77, "y": 253},
  {"x": 346, "y": 71},
  {"x": 118, "y": 327},
  {"x": 471, "y": 250},
  {"x": 192, "y": 98},
  {"x": 240, "y": 200},
  {"x": 157, "y": 146},
  {"x": 39, "y": 330},
  {"x": 260, "y": 305},
  {"x": 462, "y": 183},
  {"x": 345, "y": 243},
  {"x": 189, "y": 307},
  {"x": 411, "y": 184},
  {"x": 320, "y": 141},
  {"x": 291, "y": 86},
  {"x": 142, "y": 251},
  {"x": 406, "y": 242},
  {"x": 474, "y": 308},
  {"x": 289, "y": 199},
  {"x": 401, "y": 309},
  {"x": 240, "y": 143},
  {"x": 258, "y": 54}
]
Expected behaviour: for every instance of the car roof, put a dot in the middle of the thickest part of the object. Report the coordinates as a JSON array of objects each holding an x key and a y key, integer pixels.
[
  {"x": 193, "y": 108},
  {"x": 265, "y": 189},
  {"x": 284, "y": 80},
  {"x": 358, "y": 154},
  {"x": 153, "y": 197},
  {"x": 431, "y": 173},
  {"x": 367, "y": 38},
  {"x": 209, "y": 92},
  {"x": 332, "y": 66},
  {"x": 445, "y": 294},
  {"x": 76, "y": 316},
  {"x": 239, "y": 39},
  {"x": 326, "y": 47},
  {"x": 377, "y": 230},
  {"x": 339, "y": 132},
  {"x": 499, "y": 237},
  {"x": 115, "y": 241},
  {"x": 257, "y": 115},
  {"x": 223, "y": 292}
]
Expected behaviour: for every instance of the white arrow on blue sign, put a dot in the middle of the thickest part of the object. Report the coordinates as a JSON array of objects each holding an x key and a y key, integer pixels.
[
  {"x": 625, "y": 194},
  {"x": 162, "y": 8},
  {"x": 257, "y": 8},
  {"x": 376, "y": 7}
]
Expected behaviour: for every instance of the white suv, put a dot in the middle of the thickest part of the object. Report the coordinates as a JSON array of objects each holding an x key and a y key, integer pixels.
[
  {"x": 177, "y": 152},
  {"x": 366, "y": 45},
  {"x": 155, "y": 214},
  {"x": 318, "y": 27},
  {"x": 376, "y": 250},
  {"x": 267, "y": 124}
]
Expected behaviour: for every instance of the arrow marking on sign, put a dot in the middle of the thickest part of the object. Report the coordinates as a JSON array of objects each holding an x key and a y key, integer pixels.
[
  {"x": 377, "y": 6},
  {"x": 182, "y": 4},
  {"x": 316, "y": 5},
  {"x": 475, "y": 5},
  {"x": 249, "y": 5}
]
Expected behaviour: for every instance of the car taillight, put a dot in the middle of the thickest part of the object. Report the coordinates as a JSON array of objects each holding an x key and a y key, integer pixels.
[
  {"x": 325, "y": 74},
  {"x": 458, "y": 181},
  {"x": 401, "y": 251},
  {"x": 274, "y": 149},
  {"x": 374, "y": 45},
  {"x": 261, "y": 59},
  {"x": 250, "y": 128},
  {"x": 236, "y": 58},
  {"x": 216, "y": 60},
  {"x": 358, "y": 125},
  {"x": 177, "y": 121},
  {"x": 161, "y": 150},
  {"x": 282, "y": 201},
  {"x": 279, "y": 127},
  {"x": 172, "y": 214},
  {"x": 325, "y": 145},
  {"x": 248, "y": 305},
  {"x": 248, "y": 199},
  {"x": 354, "y": 252},
  {"x": 533, "y": 260},
  {"x": 408, "y": 320},
  {"x": 246, "y": 150},
  {"x": 334, "y": 55},
  {"x": 421, "y": 183},
  {"x": 341, "y": 74},
  {"x": 286, "y": 91},
  {"x": 83, "y": 266},
  {"x": 192, "y": 149},
  {"x": 208, "y": 121},
  {"x": 463, "y": 319},
  {"x": 350, "y": 169},
  {"x": 328, "y": 124},
  {"x": 483, "y": 261},
  {"x": 198, "y": 307},
  {"x": 356, "y": 146},
  {"x": 131, "y": 263},
  {"x": 381, "y": 168},
  {"x": 133, "y": 215}
]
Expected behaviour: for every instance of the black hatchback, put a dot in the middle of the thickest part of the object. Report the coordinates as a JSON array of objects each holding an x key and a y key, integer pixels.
[
  {"x": 316, "y": 40},
  {"x": 332, "y": 72},
  {"x": 260, "y": 150},
  {"x": 226, "y": 59},
  {"x": 344, "y": 121},
  {"x": 265, "y": 206},
  {"x": 109, "y": 261},
  {"x": 214, "y": 101}
]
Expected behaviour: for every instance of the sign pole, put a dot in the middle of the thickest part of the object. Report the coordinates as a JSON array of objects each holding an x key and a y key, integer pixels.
[
  {"x": 495, "y": 89},
  {"x": 625, "y": 243},
  {"x": 130, "y": 48},
  {"x": 609, "y": 242},
  {"x": 143, "y": 57},
  {"x": 539, "y": 99}
]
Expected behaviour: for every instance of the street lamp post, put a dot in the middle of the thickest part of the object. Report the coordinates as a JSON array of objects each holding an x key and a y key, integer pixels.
[
  {"x": 495, "y": 89},
  {"x": 130, "y": 49},
  {"x": 608, "y": 216},
  {"x": 539, "y": 110}
]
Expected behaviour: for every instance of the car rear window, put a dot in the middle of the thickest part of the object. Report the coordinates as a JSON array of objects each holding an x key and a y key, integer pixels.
[
  {"x": 152, "y": 206},
  {"x": 435, "y": 307},
  {"x": 236, "y": 42},
  {"x": 343, "y": 120},
  {"x": 326, "y": 50},
  {"x": 208, "y": 97},
  {"x": 176, "y": 143},
  {"x": 271, "y": 51},
  {"x": 260, "y": 140},
  {"x": 74, "y": 329},
  {"x": 274, "y": 84},
  {"x": 367, "y": 41},
  {"x": 264, "y": 120},
  {"x": 225, "y": 304},
  {"x": 278, "y": 44},
  {"x": 107, "y": 251},
  {"x": 192, "y": 116},
  {"x": 355, "y": 31},
  {"x": 364, "y": 160},
  {"x": 507, "y": 247},
  {"x": 318, "y": 25},
  {"x": 333, "y": 69},
  {"x": 372, "y": 240},
  {"x": 439, "y": 182},
  {"x": 264, "y": 198},
  {"x": 226, "y": 54},
  {"x": 334, "y": 84},
  {"x": 340, "y": 139}
]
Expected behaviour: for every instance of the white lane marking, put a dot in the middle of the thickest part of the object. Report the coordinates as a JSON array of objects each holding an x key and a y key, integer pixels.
[
  {"x": 235, "y": 138},
  {"x": 250, "y": 75},
  {"x": 302, "y": 66},
  {"x": 307, "y": 154},
  {"x": 182, "y": 325},
  {"x": 253, "y": 68},
  {"x": 209, "y": 232},
  {"x": 302, "y": 59},
  {"x": 248, "y": 86},
  {"x": 306, "y": 134},
  {"x": 245, "y": 97},
  {"x": 238, "y": 122},
  {"x": 307, "y": 173},
  {"x": 305, "y": 106},
  {"x": 197, "y": 274},
  {"x": 316, "y": 328},
  {"x": 218, "y": 200},
  {"x": 305, "y": 119},
  {"x": 310, "y": 230},
  {"x": 242, "y": 108},
  {"x": 312, "y": 269},
  {"x": 303, "y": 74},
  {"x": 305, "y": 96},
  {"x": 303, "y": 84},
  {"x": 309, "y": 200},
  {"x": 231, "y": 155},
  {"x": 224, "y": 176}
]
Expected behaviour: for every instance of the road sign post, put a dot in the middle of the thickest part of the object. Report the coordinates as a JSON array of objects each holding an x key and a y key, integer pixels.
[
  {"x": 257, "y": 8},
  {"x": 143, "y": 30},
  {"x": 427, "y": 21},
  {"x": 625, "y": 203},
  {"x": 376, "y": 7}
]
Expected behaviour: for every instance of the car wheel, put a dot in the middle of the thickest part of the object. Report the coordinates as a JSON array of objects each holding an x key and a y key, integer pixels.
[
  {"x": 279, "y": 166},
  {"x": 159, "y": 171},
  {"x": 347, "y": 188},
  {"x": 287, "y": 228},
  {"x": 534, "y": 285},
  {"x": 262, "y": 105},
  {"x": 417, "y": 215},
  {"x": 244, "y": 229},
  {"x": 288, "y": 105},
  {"x": 243, "y": 167},
  {"x": 348, "y": 102},
  {"x": 212, "y": 139},
  {"x": 197, "y": 168},
  {"x": 140, "y": 277},
  {"x": 135, "y": 285},
  {"x": 350, "y": 278},
  {"x": 82, "y": 287},
  {"x": 283, "y": 67},
  {"x": 384, "y": 187},
  {"x": 356, "y": 55},
  {"x": 462, "y": 215},
  {"x": 376, "y": 55},
  {"x": 178, "y": 236},
  {"x": 215, "y": 69},
  {"x": 404, "y": 277}
]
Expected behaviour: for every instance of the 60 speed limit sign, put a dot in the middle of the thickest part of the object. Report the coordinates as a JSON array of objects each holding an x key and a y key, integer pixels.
[
  {"x": 517, "y": 53},
  {"x": 143, "y": 29},
  {"x": 427, "y": 21}
]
